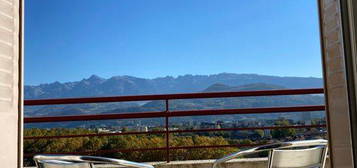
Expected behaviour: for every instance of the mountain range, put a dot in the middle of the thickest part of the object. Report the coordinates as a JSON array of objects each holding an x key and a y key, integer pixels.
[{"x": 127, "y": 85}]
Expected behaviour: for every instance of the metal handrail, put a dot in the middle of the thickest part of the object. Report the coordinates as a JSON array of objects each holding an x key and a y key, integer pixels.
[
  {"x": 183, "y": 113},
  {"x": 176, "y": 131},
  {"x": 167, "y": 114}
]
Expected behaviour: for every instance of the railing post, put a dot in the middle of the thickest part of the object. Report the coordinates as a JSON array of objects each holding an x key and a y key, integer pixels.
[{"x": 167, "y": 131}]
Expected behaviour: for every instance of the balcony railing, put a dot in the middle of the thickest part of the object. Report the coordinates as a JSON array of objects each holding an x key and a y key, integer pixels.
[{"x": 167, "y": 114}]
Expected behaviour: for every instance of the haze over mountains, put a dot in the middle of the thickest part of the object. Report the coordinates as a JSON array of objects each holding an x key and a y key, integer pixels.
[{"x": 129, "y": 85}]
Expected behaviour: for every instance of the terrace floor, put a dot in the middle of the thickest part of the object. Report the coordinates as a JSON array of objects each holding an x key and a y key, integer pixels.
[{"x": 235, "y": 163}]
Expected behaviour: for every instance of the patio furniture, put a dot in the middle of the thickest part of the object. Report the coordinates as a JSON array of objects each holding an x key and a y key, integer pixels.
[
  {"x": 295, "y": 154},
  {"x": 73, "y": 161}
]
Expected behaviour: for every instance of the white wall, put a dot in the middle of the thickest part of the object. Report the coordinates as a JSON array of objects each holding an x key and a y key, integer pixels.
[{"x": 9, "y": 83}]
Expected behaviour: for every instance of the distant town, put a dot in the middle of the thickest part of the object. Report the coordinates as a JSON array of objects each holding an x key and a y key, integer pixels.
[{"x": 136, "y": 126}]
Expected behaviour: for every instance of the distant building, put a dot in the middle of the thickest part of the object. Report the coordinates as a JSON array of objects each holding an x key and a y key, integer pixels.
[
  {"x": 267, "y": 133},
  {"x": 143, "y": 129},
  {"x": 306, "y": 117},
  {"x": 207, "y": 125}
]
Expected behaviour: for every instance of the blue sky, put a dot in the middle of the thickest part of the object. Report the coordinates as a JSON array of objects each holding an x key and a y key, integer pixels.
[{"x": 68, "y": 40}]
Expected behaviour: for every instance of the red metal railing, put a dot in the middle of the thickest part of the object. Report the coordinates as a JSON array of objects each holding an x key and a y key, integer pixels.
[{"x": 167, "y": 114}]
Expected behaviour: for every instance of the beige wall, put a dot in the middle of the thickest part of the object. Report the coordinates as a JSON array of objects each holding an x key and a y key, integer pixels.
[
  {"x": 336, "y": 85},
  {"x": 9, "y": 82}
]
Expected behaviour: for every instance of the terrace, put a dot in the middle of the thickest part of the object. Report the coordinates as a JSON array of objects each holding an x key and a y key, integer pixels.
[
  {"x": 168, "y": 114},
  {"x": 338, "y": 33}
]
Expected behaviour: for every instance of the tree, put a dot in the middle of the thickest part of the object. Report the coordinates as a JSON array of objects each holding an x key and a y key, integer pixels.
[
  {"x": 283, "y": 132},
  {"x": 124, "y": 129},
  {"x": 260, "y": 133},
  {"x": 124, "y": 142}
]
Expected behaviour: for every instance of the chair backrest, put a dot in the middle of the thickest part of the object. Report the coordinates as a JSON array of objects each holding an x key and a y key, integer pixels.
[
  {"x": 298, "y": 158},
  {"x": 62, "y": 164},
  {"x": 294, "y": 154},
  {"x": 73, "y": 161}
]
